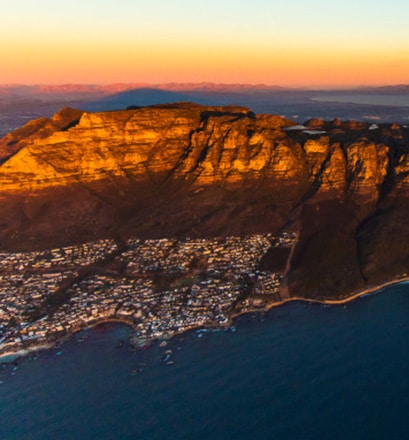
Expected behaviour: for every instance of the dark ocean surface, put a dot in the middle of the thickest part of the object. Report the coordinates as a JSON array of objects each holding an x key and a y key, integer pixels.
[{"x": 302, "y": 371}]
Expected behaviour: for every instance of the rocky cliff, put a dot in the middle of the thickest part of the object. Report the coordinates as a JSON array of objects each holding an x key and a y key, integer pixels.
[{"x": 185, "y": 169}]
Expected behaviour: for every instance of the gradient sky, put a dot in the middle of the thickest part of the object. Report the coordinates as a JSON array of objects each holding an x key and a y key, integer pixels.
[{"x": 287, "y": 42}]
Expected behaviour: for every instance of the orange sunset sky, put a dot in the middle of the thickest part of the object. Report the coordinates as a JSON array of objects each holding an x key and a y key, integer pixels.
[{"x": 293, "y": 43}]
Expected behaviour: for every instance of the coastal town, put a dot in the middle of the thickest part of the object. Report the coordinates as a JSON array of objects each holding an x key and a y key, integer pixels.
[{"x": 161, "y": 287}]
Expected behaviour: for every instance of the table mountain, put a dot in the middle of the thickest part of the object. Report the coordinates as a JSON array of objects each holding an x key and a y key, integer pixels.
[{"x": 190, "y": 170}]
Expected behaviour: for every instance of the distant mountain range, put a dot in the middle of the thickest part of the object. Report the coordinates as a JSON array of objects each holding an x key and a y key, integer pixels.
[
  {"x": 44, "y": 100},
  {"x": 97, "y": 90}
]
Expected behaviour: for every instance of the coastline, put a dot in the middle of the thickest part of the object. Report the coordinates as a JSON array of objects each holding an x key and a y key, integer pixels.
[
  {"x": 371, "y": 290},
  {"x": 54, "y": 341},
  {"x": 20, "y": 351},
  {"x": 357, "y": 294}
]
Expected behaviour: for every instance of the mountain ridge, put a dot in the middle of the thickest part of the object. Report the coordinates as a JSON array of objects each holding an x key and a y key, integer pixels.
[{"x": 185, "y": 169}]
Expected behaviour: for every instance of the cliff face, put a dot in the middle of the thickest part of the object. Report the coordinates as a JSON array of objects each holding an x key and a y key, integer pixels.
[
  {"x": 204, "y": 145},
  {"x": 188, "y": 169},
  {"x": 184, "y": 142}
]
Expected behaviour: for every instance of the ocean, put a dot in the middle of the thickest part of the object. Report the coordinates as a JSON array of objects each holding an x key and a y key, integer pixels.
[
  {"x": 401, "y": 100},
  {"x": 301, "y": 371}
]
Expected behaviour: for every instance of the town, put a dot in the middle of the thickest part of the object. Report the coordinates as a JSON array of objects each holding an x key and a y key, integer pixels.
[{"x": 160, "y": 287}]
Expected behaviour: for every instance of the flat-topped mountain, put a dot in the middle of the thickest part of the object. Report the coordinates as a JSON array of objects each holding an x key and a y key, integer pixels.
[{"x": 189, "y": 170}]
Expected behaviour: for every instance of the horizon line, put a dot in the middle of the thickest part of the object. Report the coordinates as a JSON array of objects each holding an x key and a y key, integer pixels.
[{"x": 203, "y": 84}]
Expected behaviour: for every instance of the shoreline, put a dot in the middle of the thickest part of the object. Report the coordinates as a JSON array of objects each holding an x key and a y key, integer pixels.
[
  {"x": 373, "y": 290},
  {"x": 55, "y": 340},
  {"x": 46, "y": 345},
  {"x": 357, "y": 294}
]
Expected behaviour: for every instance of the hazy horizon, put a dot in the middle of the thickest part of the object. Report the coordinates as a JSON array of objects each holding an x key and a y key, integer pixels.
[{"x": 199, "y": 84}]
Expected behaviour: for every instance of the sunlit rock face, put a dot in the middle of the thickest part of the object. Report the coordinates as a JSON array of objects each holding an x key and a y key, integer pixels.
[
  {"x": 188, "y": 167},
  {"x": 326, "y": 166},
  {"x": 208, "y": 144},
  {"x": 402, "y": 171},
  {"x": 204, "y": 145},
  {"x": 37, "y": 129},
  {"x": 100, "y": 146},
  {"x": 367, "y": 165}
]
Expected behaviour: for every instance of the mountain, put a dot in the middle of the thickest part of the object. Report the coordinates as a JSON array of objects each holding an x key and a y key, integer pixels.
[
  {"x": 190, "y": 170},
  {"x": 112, "y": 94}
]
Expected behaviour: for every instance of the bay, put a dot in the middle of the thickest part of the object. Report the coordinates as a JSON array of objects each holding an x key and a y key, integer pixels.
[{"x": 301, "y": 371}]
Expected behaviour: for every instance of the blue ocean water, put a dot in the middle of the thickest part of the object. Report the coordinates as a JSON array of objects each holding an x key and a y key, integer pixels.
[{"x": 302, "y": 371}]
